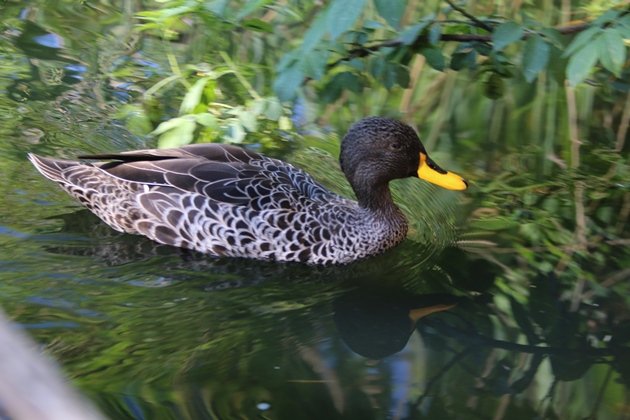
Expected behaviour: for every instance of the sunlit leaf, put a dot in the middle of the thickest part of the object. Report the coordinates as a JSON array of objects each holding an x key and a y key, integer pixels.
[
  {"x": 505, "y": 34},
  {"x": 167, "y": 125},
  {"x": 496, "y": 223},
  {"x": 206, "y": 119},
  {"x": 235, "y": 133},
  {"x": 284, "y": 123},
  {"x": 535, "y": 57},
  {"x": 274, "y": 109},
  {"x": 193, "y": 96},
  {"x": 179, "y": 135},
  {"x": 248, "y": 120}
]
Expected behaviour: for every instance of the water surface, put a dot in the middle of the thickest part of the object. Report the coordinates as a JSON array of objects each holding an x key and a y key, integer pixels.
[{"x": 427, "y": 330}]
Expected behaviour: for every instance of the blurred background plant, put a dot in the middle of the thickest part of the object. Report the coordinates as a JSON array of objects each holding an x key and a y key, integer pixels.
[{"x": 528, "y": 100}]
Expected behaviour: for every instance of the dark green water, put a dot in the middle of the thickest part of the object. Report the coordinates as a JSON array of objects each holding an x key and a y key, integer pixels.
[{"x": 152, "y": 332}]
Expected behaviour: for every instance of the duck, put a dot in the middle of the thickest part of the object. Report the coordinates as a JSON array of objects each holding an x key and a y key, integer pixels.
[{"x": 228, "y": 201}]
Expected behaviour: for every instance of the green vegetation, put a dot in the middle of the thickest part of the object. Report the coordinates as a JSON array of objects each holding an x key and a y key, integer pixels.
[{"x": 528, "y": 100}]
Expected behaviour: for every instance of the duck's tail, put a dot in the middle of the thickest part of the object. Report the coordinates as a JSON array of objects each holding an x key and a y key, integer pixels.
[{"x": 51, "y": 168}]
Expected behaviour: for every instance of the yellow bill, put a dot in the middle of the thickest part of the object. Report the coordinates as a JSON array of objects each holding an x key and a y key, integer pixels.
[
  {"x": 416, "y": 314},
  {"x": 431, "y": 172}
]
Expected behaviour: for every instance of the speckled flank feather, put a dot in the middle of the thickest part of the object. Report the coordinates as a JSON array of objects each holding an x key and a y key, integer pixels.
[{"x": 225, "y": 201}]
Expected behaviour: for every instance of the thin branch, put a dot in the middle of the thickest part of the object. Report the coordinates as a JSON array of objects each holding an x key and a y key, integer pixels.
[
  {"x": 479, "y": 23},
  {"x": 364, "y": 51},
  {"x": 623, "y": 126}
]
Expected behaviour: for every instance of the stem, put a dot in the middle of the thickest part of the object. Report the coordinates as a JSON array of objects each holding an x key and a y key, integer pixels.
[
  {"x": 252, "y": 92},
  {"x": 416, "y": 69},
  {"x": 444, "y": 110},
  {"x": 573, "y": 126},
  {"x": 172, "y": 62},
  {"x": 159, "y": 85},
  {"x": 479, "y": 23},
  {"x": 623, "y": 126}
]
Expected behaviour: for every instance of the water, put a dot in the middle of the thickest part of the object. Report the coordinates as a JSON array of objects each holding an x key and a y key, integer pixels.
[{"x": 151, "y": 332}]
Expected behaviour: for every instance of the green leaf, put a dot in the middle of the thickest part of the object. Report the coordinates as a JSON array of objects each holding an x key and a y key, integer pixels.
[
  {"x": 313, "y": 65},
  {"x": 251, "y": 7},
  {"x": 435, "y": 32},
  {"x": 235, "y": 133},
  {"x": 193, "y": 96},
  {"x": 623, "y": 25},
  {"x": 216, "y": 6},
  {"x": 581, "y": 40},
  {"x": 434, "y": 58},
  {"x": 248, "y": 120},
  {"x": 494, "y": 86},
  {"x": 284, "y": 123},
  {"x": 581, "y": 63},
  {"x": 464, "y": 59},
  {"x": 167, "y": 125},
  {"x": 136, "y": 119},
  {"x": 607, "y": 17},
  {"x": 257, "y": 25},
  {"x": 494, "y": 223},
  {"x": 206, "y": 119},
  {"x": 339, "y": 83},
  {"x": 288, "y": 83},
  {"x": 612, "y": 51},
  {"x": 179, "y": 135},
  {"x": 342, "y": 15},
  {"x": 553, "y": 37},
  {"x": 391, "y": 11},
  {"x": 274, "y": 109},
  {"x": 315, "y": 33},
  {"x": 410, "y": 34},
  {"x": 505, "y": 34},
  {"x": 535, "y": 57}
]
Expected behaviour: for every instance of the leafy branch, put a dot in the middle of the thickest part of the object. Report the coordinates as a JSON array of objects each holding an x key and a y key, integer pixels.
[{"x": 364, "y": 51}]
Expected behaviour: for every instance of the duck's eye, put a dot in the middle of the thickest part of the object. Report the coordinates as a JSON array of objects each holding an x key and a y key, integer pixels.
[{"x": 395, "y": 146}]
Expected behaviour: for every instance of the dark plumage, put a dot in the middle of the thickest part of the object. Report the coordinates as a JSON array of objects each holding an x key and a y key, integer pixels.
[{"x": 226, "y": 201}]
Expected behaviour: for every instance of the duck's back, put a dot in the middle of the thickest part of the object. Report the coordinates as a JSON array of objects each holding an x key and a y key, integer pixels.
[{"x": 221, "y": 200}]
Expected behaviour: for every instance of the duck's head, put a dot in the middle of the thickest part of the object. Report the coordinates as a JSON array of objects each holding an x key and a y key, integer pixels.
[{"x": 377, "y": 150}]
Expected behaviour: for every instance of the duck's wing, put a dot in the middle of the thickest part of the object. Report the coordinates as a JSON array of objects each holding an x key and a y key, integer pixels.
[
  {"x": 208, "y": 151},
  {"x": 223, "y": 173}
]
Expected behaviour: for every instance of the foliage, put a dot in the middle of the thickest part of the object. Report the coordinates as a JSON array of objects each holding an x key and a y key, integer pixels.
[
  {"x": 349, "y": 50},
  {"x": 530, "y": 100}
]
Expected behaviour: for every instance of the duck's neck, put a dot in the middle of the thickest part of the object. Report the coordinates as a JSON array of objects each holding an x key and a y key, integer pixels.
[{"x": 377, "y": 198}]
